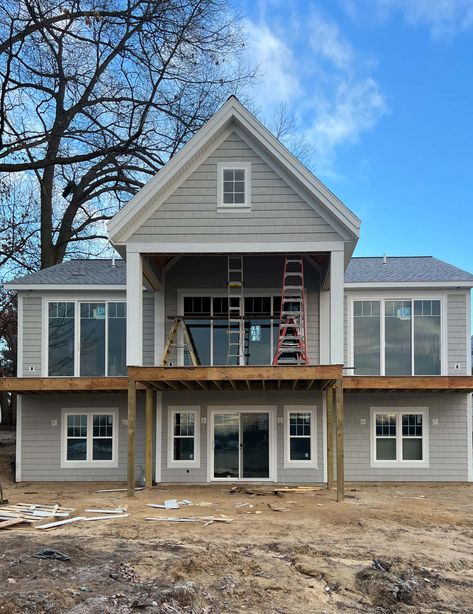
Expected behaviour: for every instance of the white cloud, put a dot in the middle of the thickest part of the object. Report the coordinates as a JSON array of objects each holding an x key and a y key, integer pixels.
[
  {"x": 309, "y": 65},
  {"x": 444, "y": 18}
]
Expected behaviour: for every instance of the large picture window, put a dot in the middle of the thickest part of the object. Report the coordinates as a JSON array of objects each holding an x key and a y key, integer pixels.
[
  {"x": 207, "y": 320},
  {"x": 86, "y": 338},
  {"x": 89, "y": 437},
  {"x": 397, "y": 337},
  {"x": 399, "y": 437}
]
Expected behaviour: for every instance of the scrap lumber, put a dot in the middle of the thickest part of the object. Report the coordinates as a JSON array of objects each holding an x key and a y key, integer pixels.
[
  {"x": 107, "y": 517},
  {"x": 253, "y": 492},
  {"x": 118, "y": 489},
  {"x": 59, "y": 523},
  {"x": 205, "y": 519},
  {"x": 11, "y": 522},
  {"x": 118, "y": 510}
]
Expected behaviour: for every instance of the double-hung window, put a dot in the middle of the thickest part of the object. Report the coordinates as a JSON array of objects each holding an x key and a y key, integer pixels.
[
  {"x": 234, "y": 184},
  {"x": 399, "y": 437},
  {"x": 397, "y": 336},
  {"x": 86, "y": 338},
  {"x": 300, "y": 436},
  {"x": 89, "y": 438},
  {"x": 184, "y": 437}
]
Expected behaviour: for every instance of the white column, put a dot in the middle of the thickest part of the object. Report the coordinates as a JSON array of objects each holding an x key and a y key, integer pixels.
[
  {"x": 337, "y": 271},
  {"x": 134, "y": 305}
]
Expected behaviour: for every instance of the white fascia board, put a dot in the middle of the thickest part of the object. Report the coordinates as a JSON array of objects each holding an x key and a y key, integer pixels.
[
  {"x": 462, "y": 285},
  {"x": 263, "y": 247},
  {"x": 231, "y": 110},
  {"x": 49, "y": 287}
]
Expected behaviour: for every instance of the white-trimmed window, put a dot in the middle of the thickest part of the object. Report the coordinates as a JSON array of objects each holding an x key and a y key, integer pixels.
[
  {"x": 184, "y": 437},
  {"x": 86, "y": 338},
  {"x": 399, "y": 437},
  {"x": 234, "y": 184},
  {"x": 397, "y": 336},
  {"x": 89, "y": 437},
  {"x": 300, "y": 448}
]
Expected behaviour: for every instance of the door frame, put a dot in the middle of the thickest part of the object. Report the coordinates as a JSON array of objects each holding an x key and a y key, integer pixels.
[{"x": 271, "y": 410}]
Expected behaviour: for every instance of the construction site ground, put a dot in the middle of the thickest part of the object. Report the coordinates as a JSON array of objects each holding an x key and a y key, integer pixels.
[{"x": 387, "y": 548}]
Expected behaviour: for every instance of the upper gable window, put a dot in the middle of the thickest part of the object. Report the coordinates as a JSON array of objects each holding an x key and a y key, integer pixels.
[{"x": 234, "y": 184}]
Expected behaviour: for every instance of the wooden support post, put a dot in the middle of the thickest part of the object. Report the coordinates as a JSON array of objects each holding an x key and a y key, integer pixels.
[
  {"x": 329, "y": 397},
  {"x": 340, "y": 436},
  {"x": 131, "y": 437},
  {"x": 149, "y": 438}
]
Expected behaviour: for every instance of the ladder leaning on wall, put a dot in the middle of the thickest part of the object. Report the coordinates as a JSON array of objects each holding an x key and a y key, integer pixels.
[
  {"x": 236, "y": 322},
  {"x": 292, "y": 348}
]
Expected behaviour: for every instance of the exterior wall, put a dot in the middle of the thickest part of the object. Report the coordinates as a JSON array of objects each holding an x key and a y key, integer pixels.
[
  {"x": 33, "y": 326},
  {"x": 456, "y": 326},
  {"x": 261, "y": 273},
  {"x": 278, "y": 212},
  {"x": 41, "y": 442},
  {"x": 448, "y": 441},
  {"x": 239, "y": 401}
]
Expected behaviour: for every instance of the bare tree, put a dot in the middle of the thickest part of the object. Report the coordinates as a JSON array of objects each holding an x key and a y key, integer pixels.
[{"x": 96, "y": 95}]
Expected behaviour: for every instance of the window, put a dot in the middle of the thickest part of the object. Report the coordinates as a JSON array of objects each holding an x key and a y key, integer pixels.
[
  {"x": 300, "y": 436},
  {"x": 86, "y": 338},
  {"x": 399, "y": 437},
  {"x": 234, "y": 181},
  {"x": 207, "y": 320},
  {"x": 397, "y": 337},
  {"x": 184, "y": 439},
  {"x": 90, "y": 438}
]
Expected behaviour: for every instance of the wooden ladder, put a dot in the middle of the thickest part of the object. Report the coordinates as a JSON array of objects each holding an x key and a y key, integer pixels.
[
  {"x": 172, "y": 341},
  {"x": 291, "y": 348}
]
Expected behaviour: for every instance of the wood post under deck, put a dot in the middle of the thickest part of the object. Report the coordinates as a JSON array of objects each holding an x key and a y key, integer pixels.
[
  {"x": 149, "y": 439},
  {"x": 329, "y": 397},
  {"x": 340, "y": 441},
  {"x": 131, "y": 437}
]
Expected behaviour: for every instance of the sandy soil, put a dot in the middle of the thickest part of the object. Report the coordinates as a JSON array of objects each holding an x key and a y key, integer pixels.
[{"x": 397, "y": 548}]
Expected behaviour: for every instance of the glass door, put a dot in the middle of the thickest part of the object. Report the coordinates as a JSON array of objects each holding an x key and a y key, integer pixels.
[{"x": 241, "y": 445}]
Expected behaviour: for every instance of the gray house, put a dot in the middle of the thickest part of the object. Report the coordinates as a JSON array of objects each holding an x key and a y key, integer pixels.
[{"x": 200, "y": 357}]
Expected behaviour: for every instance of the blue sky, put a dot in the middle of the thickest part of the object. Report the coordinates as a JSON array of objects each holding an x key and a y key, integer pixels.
[{"x": 382, "y": 91}]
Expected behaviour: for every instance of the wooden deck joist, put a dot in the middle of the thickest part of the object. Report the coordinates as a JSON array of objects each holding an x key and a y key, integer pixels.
[
  {"x": 63, "y": 384},
  {"x": 264, "y": 378},
  {"x": 432, "y": 383}
]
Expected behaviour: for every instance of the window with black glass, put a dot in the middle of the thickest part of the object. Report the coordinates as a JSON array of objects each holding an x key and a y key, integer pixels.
[
  {"x": 399, "y": 436},
  {"x": 184, "y": 436},
  {"x": 299, "y": 436},
  {"x": 89, "y": 437},
  {"x": 61, "y": 338},
  {"x": 411, "y": 330}
]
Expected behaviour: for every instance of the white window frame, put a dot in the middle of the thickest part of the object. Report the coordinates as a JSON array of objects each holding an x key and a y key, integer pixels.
[
  {"x": 301, "y": 464},
  {"x": 214, "y": 293},
  {"x": 184, "y": 409},
  {"x": 399, "y": 463},
  {"x": 90, "y": 412},
  {"x": 397, "y": 296},
  {"x": 77, "y": 323},
  {"x": 233, "y": 165}
]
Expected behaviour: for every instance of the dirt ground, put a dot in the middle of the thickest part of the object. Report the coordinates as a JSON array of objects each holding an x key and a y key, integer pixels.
[{"x": 397, "y": 548}]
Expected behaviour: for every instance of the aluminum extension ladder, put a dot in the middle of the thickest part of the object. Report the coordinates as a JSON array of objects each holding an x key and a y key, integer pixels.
[
  {"x": 236, "y": 323},
  {"x": 291, "y": 347}
]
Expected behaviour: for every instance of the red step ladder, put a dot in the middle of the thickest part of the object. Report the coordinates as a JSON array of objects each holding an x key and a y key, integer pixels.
[{"x": 291, "y": 348}]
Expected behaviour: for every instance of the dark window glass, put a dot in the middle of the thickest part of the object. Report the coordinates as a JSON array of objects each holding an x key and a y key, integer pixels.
[
  {"x": 412, "y": 449},
  {"x": 92, "y": 339},
  {"x": 61, "y": 339},
  {"x": 117, "y": 339},
  {"x": 76, "y": 449},
  {"x": 366, "y": 327},
  {"x": 385, "y": 449},
  {"x": 102, "y": 449},
  {"x": 427, "y": 337},
  {"x": 398, "y": 321},
  {"x": 184, "y": 448},
  {"x": 300, "y": 448}
]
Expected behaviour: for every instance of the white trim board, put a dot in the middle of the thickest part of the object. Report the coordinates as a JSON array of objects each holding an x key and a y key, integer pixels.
[
  {"x": 19, "y": 336},
  {"x": 25, "y": 287},
  {"x": 264, "y": 247},
  {"x": 460, "y": 285},
  {"x": 232, "y": 114}
]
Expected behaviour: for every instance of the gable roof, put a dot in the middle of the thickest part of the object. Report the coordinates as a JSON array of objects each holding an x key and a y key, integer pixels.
[
  {"x": 231, "y": 114},
  {"x": 103, "y": 273},
  {"x": 404, "y": 269}
]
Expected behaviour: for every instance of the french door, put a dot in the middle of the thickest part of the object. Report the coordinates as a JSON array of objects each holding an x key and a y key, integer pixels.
[{"x": 241, "y": 445}]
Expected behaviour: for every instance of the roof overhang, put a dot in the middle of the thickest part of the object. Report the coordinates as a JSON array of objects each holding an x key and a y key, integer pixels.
[
  {"x": 437, "y": 285},
  {"x": 232, "y": 114},
  {"x": 62, "y": 287}
]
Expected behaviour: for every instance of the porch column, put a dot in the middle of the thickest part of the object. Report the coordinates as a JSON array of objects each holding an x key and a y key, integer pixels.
[
  {"x": 340, "y": 441},
  {"x": 337, "y": 271},
  {"x": 131, "y": 437},
  {"x": 134, "y": 304},
  {"x": 329, "y": 402},
  {"x": 149, "y": 439}
]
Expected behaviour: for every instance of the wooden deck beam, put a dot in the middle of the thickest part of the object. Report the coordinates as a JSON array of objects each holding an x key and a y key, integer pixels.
[
  {"x": 460, "y": 383},
  {"x": 63, "y": 384},
  {"x": 149, "y": 438},
  {"x": 329, "y": 400}
]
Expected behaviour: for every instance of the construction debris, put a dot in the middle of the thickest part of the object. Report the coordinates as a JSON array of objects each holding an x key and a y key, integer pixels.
[
  {"x": 108, "y": 517},
  {"x": 49, "y": 553},
  {"x": 254, "y": 492},
  {"x": 18, "y": 513},
  {"x": 118, "y": 489},
  {"x": 205, "y": 519},
  {"x": 170, "y": 504},
  {"x": 59, "y": 523},
  {"x": 5, "y": 524},
  {"x": 276, "y": 508},
  {"x": 118, "y": 510}
]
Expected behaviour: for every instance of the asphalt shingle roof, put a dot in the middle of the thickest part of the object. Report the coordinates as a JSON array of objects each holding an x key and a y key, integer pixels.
[
  {"x": 403, "y": 269},
  {"x": 360, "y": 270}
]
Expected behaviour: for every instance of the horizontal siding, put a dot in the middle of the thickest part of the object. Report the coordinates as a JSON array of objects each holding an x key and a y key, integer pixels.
[
  {"x": 277, "y": 211},
  {"x": 456, "y": 331},
  {"x": 148, "y": 330},
  {"x": 32, "y": 335},
  {"x": 41, "y": 442}
]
